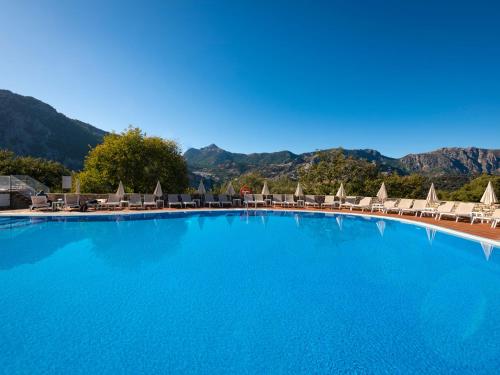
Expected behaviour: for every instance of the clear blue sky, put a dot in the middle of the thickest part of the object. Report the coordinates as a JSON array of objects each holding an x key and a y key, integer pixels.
[{"x": 397, "y": 76}]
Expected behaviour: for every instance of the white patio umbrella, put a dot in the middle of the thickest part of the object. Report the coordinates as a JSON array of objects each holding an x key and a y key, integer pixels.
[
  {"x": 432, "y": 196},
  {"x": 341, "y": 192},
  {"x": 230, "y": 189},
  {"x": 298, "y": 191},
  {"x": 77, "y": 186},
  {"x": 265, "y": 189},
  {"x": 120, "y": 193},
  {"x": 158, "y": 193},
  {"x": 201, "y": 188},
  {"x": 489, "y": 197},
  {"x": 382, "y": 193}
]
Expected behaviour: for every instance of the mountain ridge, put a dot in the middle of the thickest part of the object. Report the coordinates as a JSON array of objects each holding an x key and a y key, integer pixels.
[
  {"x": 31, "y": 127},
  {"x": 219, "y": 164}
]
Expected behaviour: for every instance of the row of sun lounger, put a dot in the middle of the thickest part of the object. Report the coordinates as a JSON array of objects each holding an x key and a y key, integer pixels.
[{"x": 417, "y": 207}]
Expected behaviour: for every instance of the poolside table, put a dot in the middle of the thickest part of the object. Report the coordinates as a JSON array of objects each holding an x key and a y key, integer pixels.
[
  {"x": 237, "y": 202},
  {"x": 57, "y": 205},
  {"x": 160, "y": 201}
]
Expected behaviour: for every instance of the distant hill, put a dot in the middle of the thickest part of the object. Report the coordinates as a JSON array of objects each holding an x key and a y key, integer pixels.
[
  {"x": 31, "y": 127},
  {"x": 218, "y": 164}
]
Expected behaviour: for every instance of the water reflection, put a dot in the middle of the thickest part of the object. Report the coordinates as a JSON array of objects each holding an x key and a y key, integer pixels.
[
  {"x": 340, "y": 221},
  {"x": 130, "y": 244},
  {"x": 487, "y": 249},
  {"x": 31, "y": 242},
  {"x": 431, "y": 234},
  {"x": 381, "y": 227}
]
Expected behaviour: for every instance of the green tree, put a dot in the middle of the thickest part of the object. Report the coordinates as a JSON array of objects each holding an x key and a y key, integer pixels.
[
  {"x": 331, "y": 168},
  {"x": 137, "y": 160},
  {"x": 46, "y": 171}
]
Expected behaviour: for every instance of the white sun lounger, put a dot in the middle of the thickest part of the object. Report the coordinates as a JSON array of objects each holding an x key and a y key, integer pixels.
[
  {"x": 259, "y": 200},
  {"x": 173, "y": 200},
  {"x": 210, "y": 201},
  {"x": 387, "y": 206},
  {"x": 39, "y": 203},
  {"x": 290, "y": 200},
  {"x": 113, "y": 202},
  {"x": 364, "y": 204},
  {"x": 418, "y": 206},
  {"x": 71, "y": 201},
  {"x": 187, "y": 200},
  {"x": 310, "y": 200},
  {"x": 330, "y": 202},
  {"x": 403, "y": 204},
  {"x": 149, "y": 201},
  {"x": 248, "y": 200},
  {"x": 134, "y": 201},
  {"x": 445, "y": 207},
  {"x": 278, "y": 200},
  {"x": 462, "y": 210},
  {"x": 224, "y": 201},
  {"x": 495, "y": 218}
]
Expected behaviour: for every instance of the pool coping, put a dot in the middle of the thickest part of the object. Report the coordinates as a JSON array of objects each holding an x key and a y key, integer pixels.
[{"x": 439, "y": 228}]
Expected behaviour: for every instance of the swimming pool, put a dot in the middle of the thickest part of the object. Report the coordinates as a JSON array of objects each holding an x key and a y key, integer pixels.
[{"x": 244, "y": 292}]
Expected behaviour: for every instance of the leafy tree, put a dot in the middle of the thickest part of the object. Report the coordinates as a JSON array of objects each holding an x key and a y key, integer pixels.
[
  {"x": 137, "y": 160},
  {"x": 331, "y": 168},
  {"x": 46, "y": 171}
]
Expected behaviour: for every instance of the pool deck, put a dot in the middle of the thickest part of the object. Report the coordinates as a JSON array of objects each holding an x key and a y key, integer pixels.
[{"x": 478, "y": 229}]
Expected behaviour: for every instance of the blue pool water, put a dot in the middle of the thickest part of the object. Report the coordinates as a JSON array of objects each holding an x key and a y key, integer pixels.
[{"x": 236, "y": 293}]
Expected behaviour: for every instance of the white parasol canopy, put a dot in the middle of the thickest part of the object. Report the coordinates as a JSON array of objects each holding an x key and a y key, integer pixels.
[
  {"x": 158, "y": 192},
  {"x": 341, "y": 192},
  {"x": 382, "y": 193},
  {"x": 77, "y": 186},
  {"x": 230, "y": 189},
  {"x": 489, "y": 197},
  {"x": 120, "y": 193},
  {"x": 432, "y": 196},
  {"x": 265, "y": 189},
  {"x": 298, "y": 191},
  {"x": 201, "y": 188}
]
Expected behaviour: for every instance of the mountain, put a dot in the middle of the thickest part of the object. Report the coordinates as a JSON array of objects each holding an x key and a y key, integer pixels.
[
  {"x": 215, "y": 163},
  {"x": 31, "y": 127}
]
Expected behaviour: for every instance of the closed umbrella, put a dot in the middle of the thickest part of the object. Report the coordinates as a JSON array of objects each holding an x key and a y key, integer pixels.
[
  {"x": 265, "y": 189},
  {"x": 77, "y": 186},
  {"x": 158, "y": 192},
  {"x": 489, "y": 197},
  {"x": 432, "y": 196},
  {"x": 230, "y": 189},
  {"x": 201, "y": 188},
  {"x": 120, "y": 193},
  {"x": 298, "y": 191},
  {"x": 341, "y": 192},
  {"x": 382, "y": 193}
]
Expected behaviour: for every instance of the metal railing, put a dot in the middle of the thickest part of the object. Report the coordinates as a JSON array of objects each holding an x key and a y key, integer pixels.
[{"x": 25, "y": 185}]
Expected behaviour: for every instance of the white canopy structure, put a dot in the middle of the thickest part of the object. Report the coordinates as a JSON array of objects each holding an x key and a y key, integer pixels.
[
  {"x": 201, "y": 188},
  {"x": 489, "y": 197},
  {"x": 158, "y": 193},
  {"x": 382, "y": 193},
  {"x": 265, "y": 189},
  {"x": 230, "y": 189},
  {"x": 120, "y": 193},
  {"x": 432, "y": 196},
  {"x": 298, "y": 191}
]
